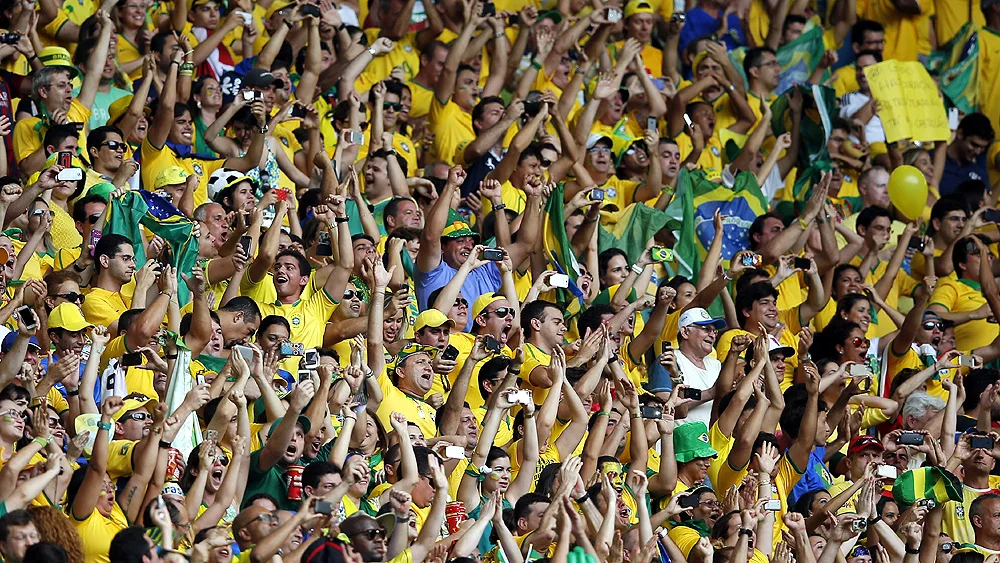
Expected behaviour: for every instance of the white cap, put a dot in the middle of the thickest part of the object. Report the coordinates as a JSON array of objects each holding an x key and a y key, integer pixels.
[
  {"x": 595, "y": 138},
  {"x": 773, "y": 345},
  {"x": 699, "y": 316}
]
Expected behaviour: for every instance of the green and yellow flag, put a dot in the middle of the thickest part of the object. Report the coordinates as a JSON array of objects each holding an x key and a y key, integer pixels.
[
  {"x": 926, "y": 483},
  {"x": 559, "y": 251}
]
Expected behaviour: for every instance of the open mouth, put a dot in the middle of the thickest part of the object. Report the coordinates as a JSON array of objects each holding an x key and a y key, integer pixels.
[
  {"x": 280, "y": 278},
  {"x": 291, "y": 450}
]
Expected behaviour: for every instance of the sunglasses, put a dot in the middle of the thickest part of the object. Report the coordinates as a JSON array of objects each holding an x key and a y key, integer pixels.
[
  {"x": 139, "y": 416},
  {"x": 950, "y": 546},
  {"x": 372, "y": 534},
  {"x": 115, "y": 145},
  {"x": 93, "y": 218},
  {"x": 502, "y": 312},
  {"x": 857, "y": 341},
  {"x": 72, "y": 297},
  {"x": 394, "y": 106},
  {"x": 545, "y": 162},
  {"x": 267, "y": 518},
  {"x": 40, "y": 212},
  {"x": 351, "y": 294},
  {"x": 461, "y": 302},
  {"x": 931, "y": 325},
  {"x": 14, "y": 413}
]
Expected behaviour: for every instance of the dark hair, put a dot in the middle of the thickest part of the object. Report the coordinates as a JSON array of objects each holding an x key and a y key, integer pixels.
[
  {"x": 423, "y": 460},
  {"x": 847, "y": 302},
  {"x": 59, "y": 133},
  {"x": 98, "y": 136},
  {"x": 869, "y": 214},
  {"x": 524, "y": 504},
  {"x": 590, "y": 318},
  {"x": 535, "y": 310},
  {"x": 392, "y": 208},
  {"x": 316, "y": 471},
  {"x": 490, "y": 371},
  {"x": 975, "y": 383},
  {"x": 108, "y": 246},
  {"x": 80, "y": 207},
  {"x": 792, "y": 19},
  {"x": 16, "y": 518},
  {"x": 862, "y": 27},
  {"x": 241, "y": 304},
  {"x": 976, "y": 125},
  {"x": 757, "y": 227},
  {"x": 873, "y": 54},
  {"x": 494, "y": 454},
  {"x": 942, "y": 208},
  {"x": 129, "y": 546},
  {"x": 271, "y": 320},
  {"x": 430, "y": 48},
  {"x": 836, "y": 333},
  {"x": 605, "y": 257},
  {"x": 480, "y": 109},
  {"x": 746, "y": 298},
  {"x": 158, "y": 41},
  {"x": 48, "y": 552},
  {"x": 960, "y": 254},
  {"x": 754, "y": 58},
  {"x": 804, "y": 502}
]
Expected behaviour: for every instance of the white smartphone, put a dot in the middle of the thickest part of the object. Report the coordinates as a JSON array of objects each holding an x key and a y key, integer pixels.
[
  {"x": 454, "y": 452},
  {"x": 859, "y": 370},
  {"x": 953, "y": 119},
  {"x": 247, "y": 17},
  {"x": 70, "y": 175},
  {"x": 687, "y": 119},
  {"x": 967, "y": 361},
  {"x": 773, "y": 505},
  {"x": 519, "y": 396},
  {"x": 887, "y": 471},
  {"x": 245, "y": 351},
  {"x": 559, "y": 280}
]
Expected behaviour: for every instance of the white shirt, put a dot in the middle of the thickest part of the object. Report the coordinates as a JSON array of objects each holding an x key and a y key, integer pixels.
[
  {"x": 699, "y": 378},
  {"x": 850, "y": 104}
]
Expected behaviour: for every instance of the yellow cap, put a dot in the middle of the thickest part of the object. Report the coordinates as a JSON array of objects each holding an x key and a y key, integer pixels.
[
  {"x": 637, "y": 7},
  {"x": 133, "y": 402},
  {"x": 68, "y": 316},
  {"x": 276, "y": 6},
  {"x": 58, "y": 56},
  {"x": 484, "y": 301},
  {"x": 170, "y": 176},
  {"x": 432, "y": 318}
]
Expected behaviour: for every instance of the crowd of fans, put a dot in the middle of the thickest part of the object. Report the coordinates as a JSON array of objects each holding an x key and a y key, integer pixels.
[{"x": 409, "y": 281}]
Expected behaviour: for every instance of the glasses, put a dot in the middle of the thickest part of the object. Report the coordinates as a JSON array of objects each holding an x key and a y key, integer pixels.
[
  {"x": 115, "y": 145},
  {"x": 711, "y": 503},
  {"x": 394, "y": 106},
  {"x": 93, "y": 218},
  {"x": 545, "y": 162},
  {"x": 139, "y": 416},
  {"x": 72, "y": 297},
  {"x": 502, "y": 312},
  {"x": 461, "y": 302},
  {"x": 267, "y": 518},
  {"x": 931, "y": 325},
  {"x": 40, "y": 212},
  {"x": 599, "y": 150},
  {"x": 948, "y": 547},
  {"x": 351, "y": 294},
  {"x": 372, "y": 534},
  {"x": 11, "y": 413},
  {"x": 857, "y": 341}
]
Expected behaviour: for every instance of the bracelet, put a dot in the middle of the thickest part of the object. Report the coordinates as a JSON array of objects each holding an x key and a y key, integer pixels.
[
  {"x": 41, "y": 441},
  {"x": 402, "y": 520},
  {"x": 175, "y": 63},
  {"x": 170, "y": 356},
  {"x": 73, "y": 393},
  {"x": 604, "y": 413},
  {"x": 499, "y": 207},
  {"x": 635, "y": 414},
  {"x": 187, "y": 65},
  {"x": 33, "y": 56},
  {"x": 514, "y": 371},
  {"x": 726, "y": 276},
  {"x": 912, "y": 551},
  {"x": 803, "y": 223},
  {"x": 290, "y": 26},
  {"x": 186, "y": 73},
  {"x": 532, "y": 415},
  {"x": 104, "y": 426},
  {"x": 165, "y": 445},
  {"x": 637, "y": 269},
  {"x": 873, "y": 521},
  {"x": 584, "y": 498},
  {"x": 341, "y": 219},
  {"x": 263, "y": 130},
  {"x": 535, "y": 65},
  {"x": 731, "y": 87},
  {"x": 498, "y": 34},
  {"x": 745, "y": 532}
]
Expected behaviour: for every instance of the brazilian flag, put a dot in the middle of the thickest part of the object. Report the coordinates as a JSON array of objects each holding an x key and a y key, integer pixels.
[
  {"x": 798, "y": 59},
  {"x": 926, "y": 483},
  {"x": 136, "y": 209},
  {"x": 635, "y": 227},
  {"x": 960, "y": 80},
  {"x": 559, "y": 251}
]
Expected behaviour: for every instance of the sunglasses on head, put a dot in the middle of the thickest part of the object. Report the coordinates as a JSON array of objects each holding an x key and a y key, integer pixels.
[
  {"x": 72, "y": 297},
  {"x": 931, "y": 325},
  {"x": 857, "y": 341}
]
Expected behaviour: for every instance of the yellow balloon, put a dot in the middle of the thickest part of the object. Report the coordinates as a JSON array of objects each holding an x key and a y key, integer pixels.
[{"x": 908, "y": 191}]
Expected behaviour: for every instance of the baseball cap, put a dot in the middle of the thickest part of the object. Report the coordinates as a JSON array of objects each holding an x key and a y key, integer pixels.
[
  {"x": 68, "y": 316},
  {"x": 458, "y": 229},
  {"x": 432, "y": 318},
  {"x": 302, "y": 421},
  {"x": 700, "y": 317},
  {"x": 863, "y": 442},
  {"x": 773, "y": 345},
  {"x": 8, "y": 342},
  {"x": 484, "y": 301},
  {"x": 132, "y": 403},
  {"x": 637, "y": 7},
  {"x": 169, "y": 176},
  {"x": 595, "y": 138},
  {"x": 260, "y": 78},
  {"x": 360, "y": 522}
]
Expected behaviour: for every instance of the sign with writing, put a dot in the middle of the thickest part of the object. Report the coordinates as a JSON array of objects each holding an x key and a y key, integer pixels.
[{"x": 909, "y": 104}]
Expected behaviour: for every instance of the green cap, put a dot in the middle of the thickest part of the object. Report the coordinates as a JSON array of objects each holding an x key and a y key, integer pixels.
[
  {"x": 303, "y": 421},
  {"x": 411, "y": 349},
  {"x": 691, "y": 442}
]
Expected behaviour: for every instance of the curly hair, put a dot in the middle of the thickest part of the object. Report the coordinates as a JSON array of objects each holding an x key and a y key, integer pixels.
[{"x": 54, "y": 527}]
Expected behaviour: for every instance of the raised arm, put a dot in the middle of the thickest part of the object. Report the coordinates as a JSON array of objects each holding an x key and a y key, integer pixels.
[{"x": 85, "y": 501}]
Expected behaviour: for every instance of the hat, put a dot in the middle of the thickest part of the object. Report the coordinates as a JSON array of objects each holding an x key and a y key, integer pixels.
[
  {"x": 932, "y": 483},
  {"x": 197, "y": 2},
  {"x": 276, "y": 6},
  {"x": 691, "y": 442},
  {"x": 133, "y": 402},
  {"x": 700, "y": 317},
  {"x": 361, "y": 522},
  {"x": 773, "y": 345},
  {"x": 459, "y": 229},
  {"x": 170, "y": 176},
  {"x": 863, "y": 442},
  {"x": 260, "y": 78},
  {"x": 595, "y": 138},
  {"x": 172, "y": 489},
  {"x": 930, "y": 314},
  {"x": 223, "y": 178},
  {"x": 119, "y": 107},
  {"x": 411, "y": 349},
  {"x": 325, "y": 550},
  {"x": 302, "y": 421},
  {"x": 432, "y": 318},
  {"x": 484, "y": 301},
  {"x": 698, "y": 58},
  {"x": 68, "y": 316},
  {"x": 58, "y": 56},
  {"x": 554, "y": 15},
  {"x": 103, "y": 189},
  {"x": 8, "y": 342},
  {"x": 637, "y": 7}
]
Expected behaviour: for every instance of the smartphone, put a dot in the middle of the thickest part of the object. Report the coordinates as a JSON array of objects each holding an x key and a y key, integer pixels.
[
  {"x": 687, "y": 119},
  {"x": 927, "y": 503},
  {"x": 801, "y": 263},
  {"x": 28, "y": 317},
  {"x": 982, "y": 442},
  {"x": 887, "y": 471},
  {"x": 310, "y": 10},
  {"x": 492, "y": 345},
  {"x": 95, "y": 237},
  {"x": 967, "y": 361},
  {"x": 614, "y": 15},
  {"x": 248, "y": 95},
  {"x": 65, "y": 159},
  {"x": 311, "y": 359},
  {"x": 70, "y": 175},
  {"x": 323, "y": 507},
  {"x": 289, "y": 348},
  {"x": 910, "y": 439},
  {"x": 245, "y": 242},
  {"x": 860, "y": 370},
  {"x": 489, "y": 9},
  {"x": 651, "y": 124},
  {"x": 991, "y": 216},
  {"x": 953, "y": 119},
  {"x": 751, "y": 260},
  {"x": 774, "y": 505},
  {"x": 678, "y": 17},
  {"x": 493, "y": 254},
  {"x": 651, "y": 412},
  {"x": 199, "y": 379},
  {"x": 131, "y": 359},
  {"x": 323, "y": 245},
  {"x": 357, "y": 137},
  {"x": 245, "y": 351},
  {"x": 211, "y": 435},
  {"x": 519, "y": 396},
  {"x": 450, "y": 353},
  {"x": 691, "y": 393},
  {"x": 559, "y": 280},
  {"x": 666, "y": 347},
  {"x": 661, "y": 254},
  {"x": 597, "y": 194},
  {"x": 689, "y": 501},
  {"x": 247, "y": 17},
  {"x": 916, "y": 243},
  {"x": 10, "y": 38},
  {"x": 297, "y": 112}
]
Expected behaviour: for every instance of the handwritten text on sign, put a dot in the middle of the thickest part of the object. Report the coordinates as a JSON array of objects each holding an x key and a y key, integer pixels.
[{"x": 910, "y": 107}]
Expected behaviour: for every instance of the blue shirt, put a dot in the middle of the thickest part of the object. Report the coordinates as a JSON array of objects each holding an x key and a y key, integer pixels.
[
  {"x": 816, "y": 476},
  {"x": 485, "y": 279},
  {"x": 955, "y": 174},
  {"x": 699, "y": 23}
]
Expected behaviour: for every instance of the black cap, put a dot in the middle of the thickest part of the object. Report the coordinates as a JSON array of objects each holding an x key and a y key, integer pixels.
[{"x": 260, "y": 78}]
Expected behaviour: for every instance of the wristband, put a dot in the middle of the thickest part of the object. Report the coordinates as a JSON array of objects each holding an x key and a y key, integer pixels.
[
  {"x": 514, "y": 371},
  {"x": 584, "y": 498},
  {"x": 341, "y": 219},
  {"x": 41, "y": 441},
  {"x": 604, "y": 413},
  {"x": 726, "y": 276},
  {"x": 535, "y": 65},
  {"x": 175, "y": 63},
  {"x": 745, "y": 532},
  {"x": 33, "y": 56},
  {"x": 637, "y": 269},
  {"x": 912, "y": 551},
  {"x": 170, "y": 356},
  {"x": 104, "y": 426},
  {"x": 499, "y": 207},
  {"x": 402, "y": 520},
  {"x": 165, "y": 445},
  {"x": 73, "y": 393},
  {"x": 803, "y": 223},
  {"x": 873, "y": 521}
]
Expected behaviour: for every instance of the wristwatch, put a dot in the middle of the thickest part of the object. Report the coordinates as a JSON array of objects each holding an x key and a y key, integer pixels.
[{"x": 371, "y": 50}]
